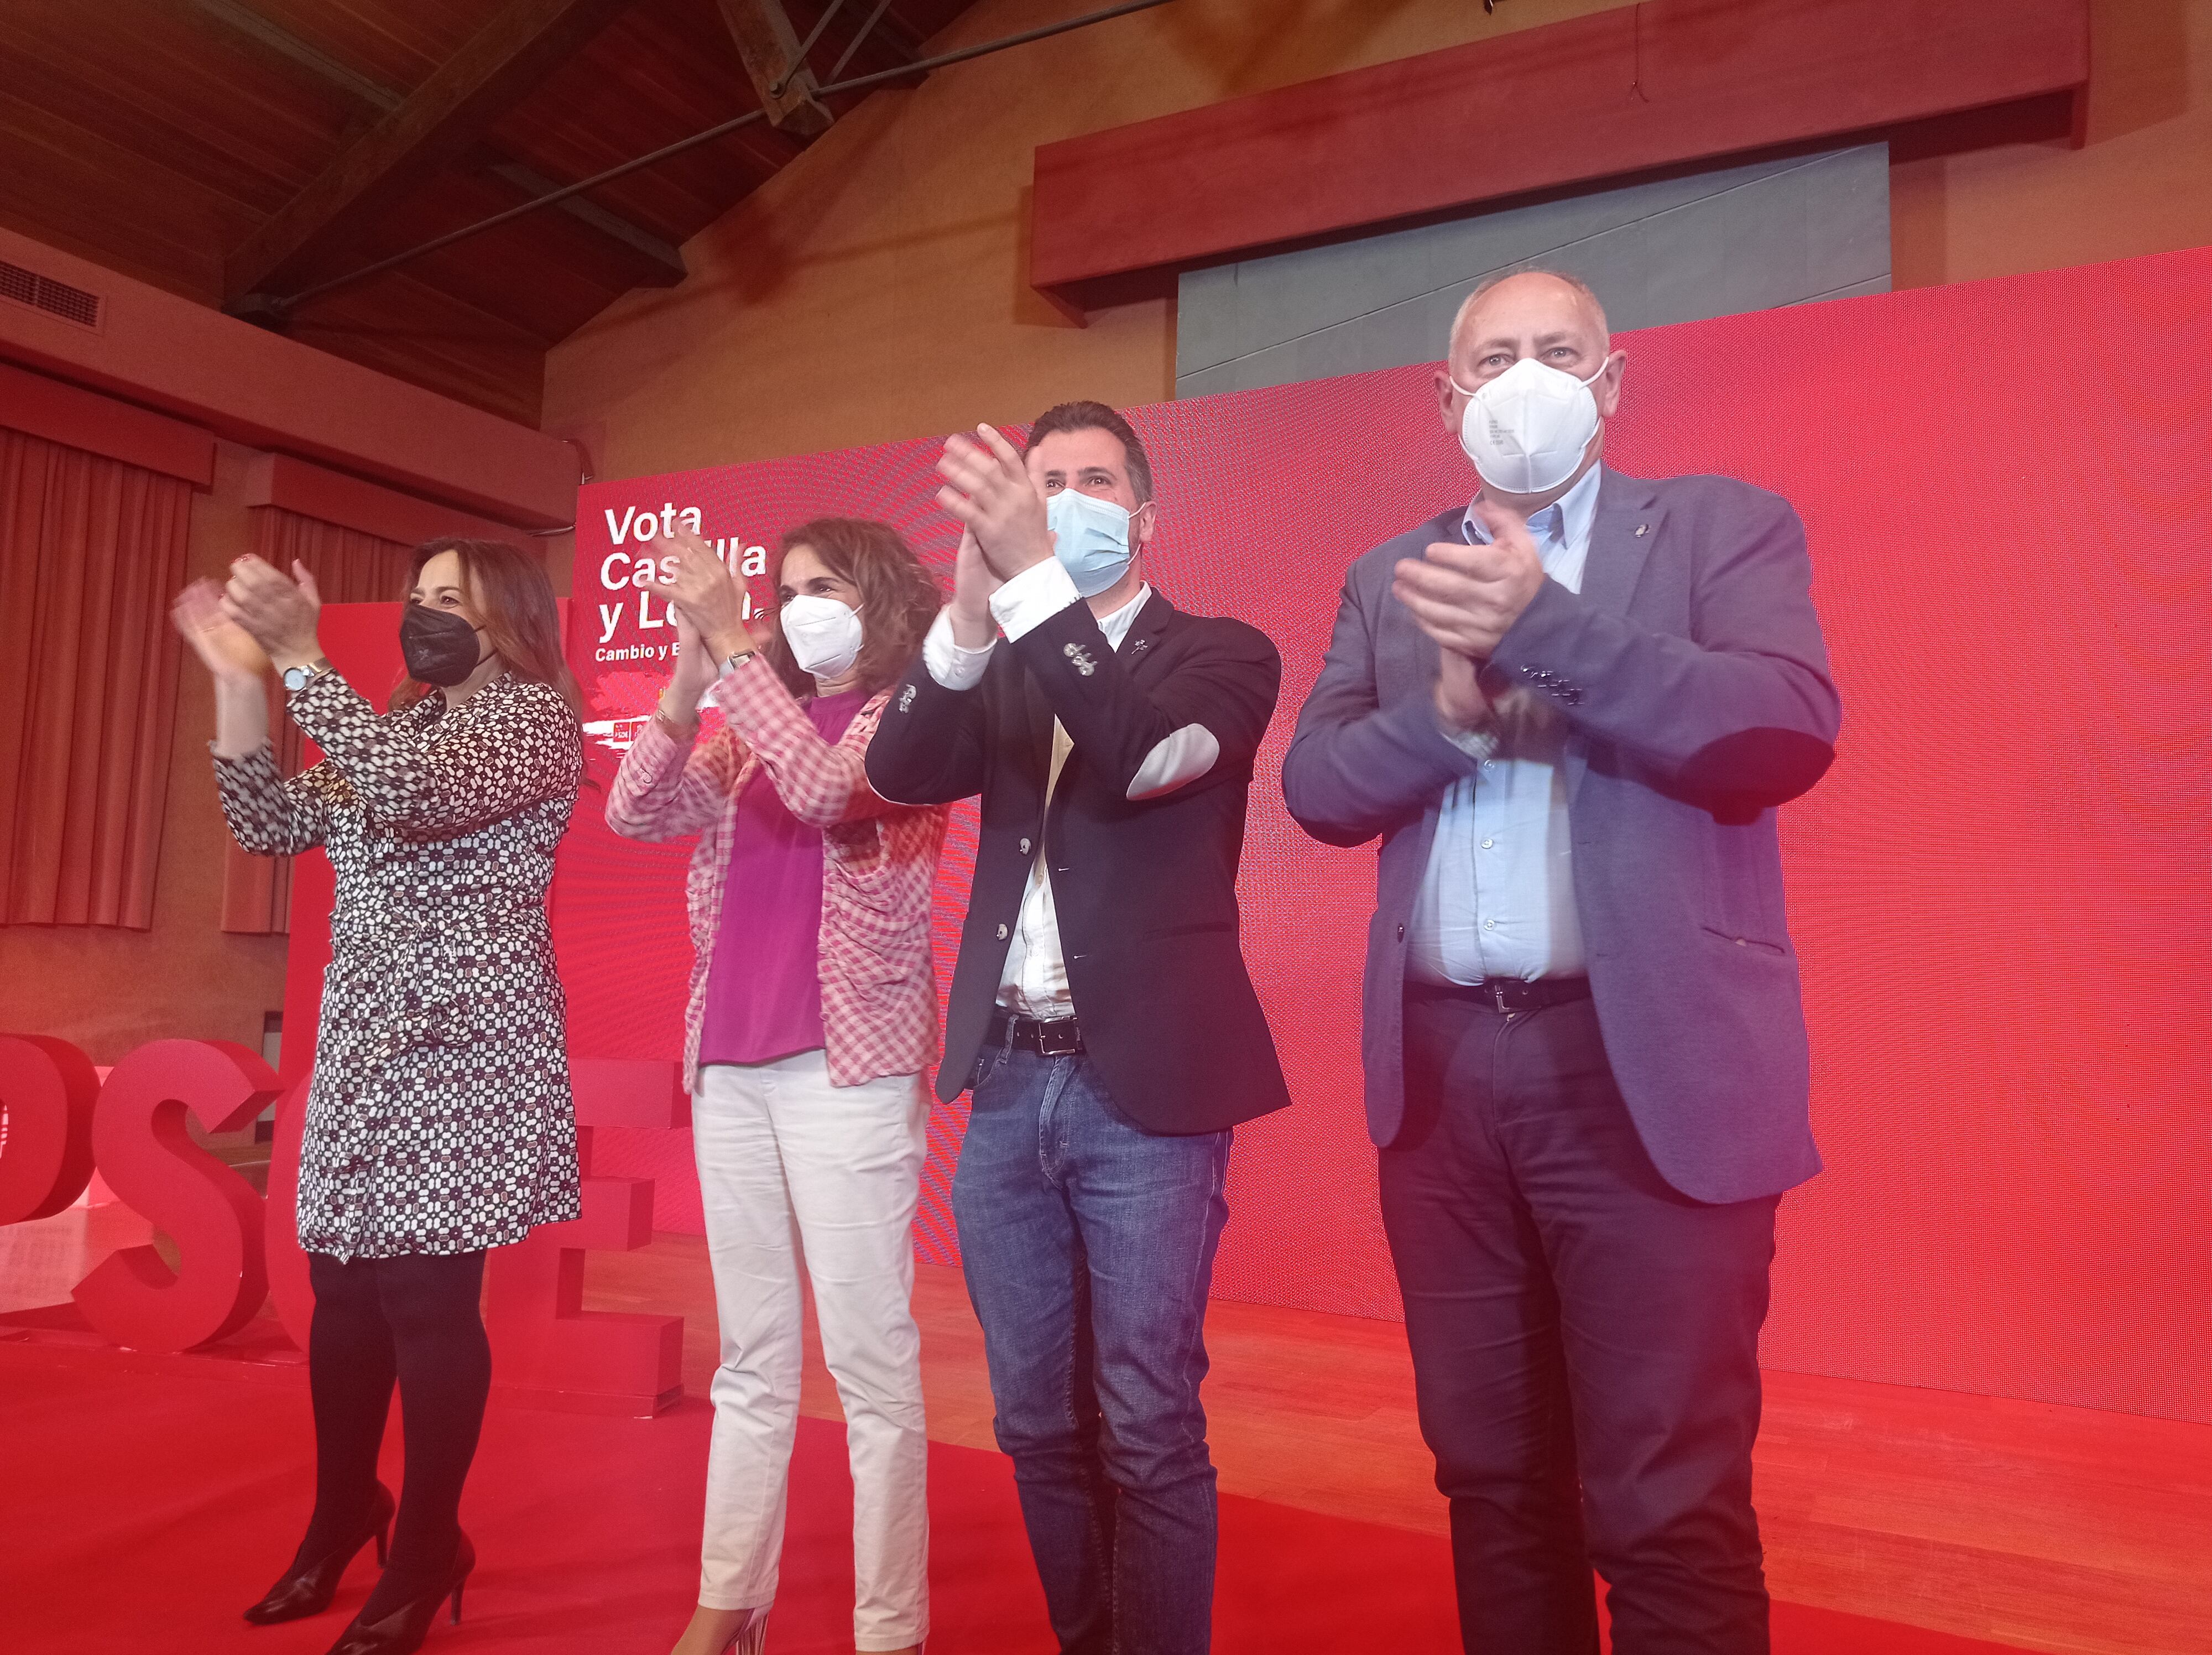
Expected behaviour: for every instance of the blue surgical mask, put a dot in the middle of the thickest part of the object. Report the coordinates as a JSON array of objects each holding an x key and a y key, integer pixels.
[{"x": 1091, "y": 538}]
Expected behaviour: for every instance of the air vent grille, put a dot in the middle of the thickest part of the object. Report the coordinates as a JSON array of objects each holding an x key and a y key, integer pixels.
[{"x": 28, "y": 287}]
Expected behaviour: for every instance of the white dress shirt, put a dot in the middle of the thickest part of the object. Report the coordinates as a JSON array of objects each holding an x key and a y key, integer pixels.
[
  {"x": 1498, "y": 898},
  {"x": 1034, "y": 981}
]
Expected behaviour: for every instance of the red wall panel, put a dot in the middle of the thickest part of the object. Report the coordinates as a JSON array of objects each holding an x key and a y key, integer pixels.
[{"x": 2000, "y": 893}]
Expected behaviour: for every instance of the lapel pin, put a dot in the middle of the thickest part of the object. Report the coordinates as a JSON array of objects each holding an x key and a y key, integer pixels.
[{"x": 1640, "y": 529}]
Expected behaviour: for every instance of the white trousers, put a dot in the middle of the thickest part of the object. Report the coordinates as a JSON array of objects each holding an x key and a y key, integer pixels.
[{"x": 788, "y": 1161}]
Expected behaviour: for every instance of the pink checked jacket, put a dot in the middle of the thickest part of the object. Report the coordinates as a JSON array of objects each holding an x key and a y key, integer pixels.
[{"x": 879, "y": 860}]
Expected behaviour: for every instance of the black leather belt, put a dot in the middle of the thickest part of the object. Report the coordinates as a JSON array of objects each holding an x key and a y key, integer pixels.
[
  {"x": 1049, "y": 1037},
  {"x": 1507, "y": 993}
]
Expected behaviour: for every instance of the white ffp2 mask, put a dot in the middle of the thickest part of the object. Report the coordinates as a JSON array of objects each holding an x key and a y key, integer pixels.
[
  {"x": 1528, "y": 429},
  {"x": 825, "y": 635}
]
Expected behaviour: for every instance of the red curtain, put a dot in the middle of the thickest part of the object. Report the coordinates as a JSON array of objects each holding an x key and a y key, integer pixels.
[
  {"x": 349, "y": 567},
  {"x": 91, "y": 552}
]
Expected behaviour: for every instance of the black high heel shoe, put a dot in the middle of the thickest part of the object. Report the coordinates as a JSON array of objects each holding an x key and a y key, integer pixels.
[
  {"x": 308, "y": 1591},
  {"x": 406, "y": 1626}
]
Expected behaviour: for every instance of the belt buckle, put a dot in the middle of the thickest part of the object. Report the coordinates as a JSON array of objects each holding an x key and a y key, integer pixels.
[
  {"x": 1497, "y": 997},
  {"x": 1058, "y": 1036}
]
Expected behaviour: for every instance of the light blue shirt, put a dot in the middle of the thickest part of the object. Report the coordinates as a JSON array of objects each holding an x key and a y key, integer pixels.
[{"x": 1498, "y": 898}]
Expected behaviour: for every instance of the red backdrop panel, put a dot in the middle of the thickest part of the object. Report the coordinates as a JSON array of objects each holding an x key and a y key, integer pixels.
[{"x": 1999, "y": 893}]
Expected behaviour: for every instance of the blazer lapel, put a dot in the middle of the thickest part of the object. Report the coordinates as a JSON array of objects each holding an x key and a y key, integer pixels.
[
  {"x": 1405, "y": 656},
  {"x": 1623, "y": 529}
]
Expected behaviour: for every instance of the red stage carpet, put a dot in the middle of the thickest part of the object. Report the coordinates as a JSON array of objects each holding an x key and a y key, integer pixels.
[{"x": 148, "y": 1500}]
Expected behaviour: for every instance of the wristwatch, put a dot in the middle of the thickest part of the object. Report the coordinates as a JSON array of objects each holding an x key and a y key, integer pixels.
[
  {"x": 297, "y": 678},
  {"x": 730, "y": 661}
]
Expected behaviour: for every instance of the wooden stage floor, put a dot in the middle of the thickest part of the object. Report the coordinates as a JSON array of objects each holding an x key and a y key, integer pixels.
[
  {"x": 2046, "y": 1528},
  {"x": 2041, "y": 1527}
]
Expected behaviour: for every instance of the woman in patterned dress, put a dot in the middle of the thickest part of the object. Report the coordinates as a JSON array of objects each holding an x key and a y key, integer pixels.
[
  {"x": 813, "y": 1011},
  {"x": 439, "y": 1122}
]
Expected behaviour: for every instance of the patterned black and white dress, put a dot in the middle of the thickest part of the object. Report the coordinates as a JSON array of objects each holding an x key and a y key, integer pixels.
[{"x": 439, "y": 1119}]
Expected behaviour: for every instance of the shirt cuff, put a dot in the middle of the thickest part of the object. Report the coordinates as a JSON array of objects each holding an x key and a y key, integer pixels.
[
  {"x": 952, "y": 665},
  {"x": 1479, "y": 743},
  {"x": 1034, "y": 597}
]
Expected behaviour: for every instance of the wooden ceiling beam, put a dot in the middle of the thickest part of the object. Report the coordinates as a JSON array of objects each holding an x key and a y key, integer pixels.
[
  {"x": 769, "y": 47},
  {"x": 441, "y": 119},
  {"x": 666, "y": 258},
  {"x": 892, "y": 33}
]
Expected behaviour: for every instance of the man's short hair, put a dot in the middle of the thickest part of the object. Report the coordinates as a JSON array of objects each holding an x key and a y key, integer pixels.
[
  {"x": 1097, "y": 416},
  {"x": 1468, "y": 304}
]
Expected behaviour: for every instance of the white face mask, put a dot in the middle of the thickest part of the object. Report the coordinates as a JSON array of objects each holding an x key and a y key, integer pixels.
[
  {"x": 1091, "y": 538},
  {"x": 825, "y": 635},
  {"x": 1528, "y": 429}
]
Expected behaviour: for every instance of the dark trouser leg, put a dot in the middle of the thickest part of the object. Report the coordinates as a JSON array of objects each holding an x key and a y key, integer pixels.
[
  {"x": 432, "y": 1304},
  {"x": 349, "y": 1375},
  {"x": 1149, "y": 1209},
  {"x": 1660, "y": 1300},
  {"x": 1029, "y": 1282},
  {"x": 1482, "y": 1320}
]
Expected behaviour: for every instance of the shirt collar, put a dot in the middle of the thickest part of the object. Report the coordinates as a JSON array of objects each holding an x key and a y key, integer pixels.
[
  {"x": 1116, "y": 625},
  {"x": 1565, "y": 522}
]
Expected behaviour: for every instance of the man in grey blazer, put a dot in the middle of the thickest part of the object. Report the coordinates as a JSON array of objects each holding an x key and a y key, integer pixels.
[{"x": 1569, "y": 710}]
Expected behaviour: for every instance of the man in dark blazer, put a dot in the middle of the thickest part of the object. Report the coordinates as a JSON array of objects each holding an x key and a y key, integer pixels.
[
  {"x": 1101, "y": 1011},
  {"x": 1569, "y": 710}
]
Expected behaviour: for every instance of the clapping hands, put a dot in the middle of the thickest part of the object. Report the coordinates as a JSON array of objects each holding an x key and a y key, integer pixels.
[
  {"x": 1468, "y": 597},
  {"x": 709, "y": 604},
  {"x": 989, "y": 490}
]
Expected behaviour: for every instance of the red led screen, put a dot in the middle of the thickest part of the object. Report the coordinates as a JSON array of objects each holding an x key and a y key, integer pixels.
[{"x": 1999, "y": 892}]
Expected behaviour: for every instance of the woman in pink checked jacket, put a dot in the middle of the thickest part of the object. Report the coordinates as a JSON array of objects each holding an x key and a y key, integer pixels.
[{"x": 813, "y": 1012}]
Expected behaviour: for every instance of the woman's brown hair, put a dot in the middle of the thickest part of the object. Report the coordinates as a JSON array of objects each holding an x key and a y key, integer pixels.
[
  {"x": 513, "y": 604},
  {"x": 898, "y": 597}
]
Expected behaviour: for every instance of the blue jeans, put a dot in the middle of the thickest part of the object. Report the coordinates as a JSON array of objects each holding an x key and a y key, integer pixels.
[{"x": 1089, "y": 1247}]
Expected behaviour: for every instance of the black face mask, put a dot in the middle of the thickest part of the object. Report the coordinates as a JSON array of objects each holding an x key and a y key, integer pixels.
[{"x": 440, "y": 648}]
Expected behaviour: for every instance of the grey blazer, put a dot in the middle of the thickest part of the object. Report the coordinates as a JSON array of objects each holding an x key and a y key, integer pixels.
[{"x": 1695, "y": 685}]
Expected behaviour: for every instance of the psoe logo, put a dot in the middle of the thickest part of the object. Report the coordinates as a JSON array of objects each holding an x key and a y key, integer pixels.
[{"x": 616, "y": 735}]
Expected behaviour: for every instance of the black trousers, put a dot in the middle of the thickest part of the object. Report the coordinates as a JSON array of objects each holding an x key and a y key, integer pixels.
[
  {"x": 1585, "y": 1344},
  {"x": 417, "y": 1320}
]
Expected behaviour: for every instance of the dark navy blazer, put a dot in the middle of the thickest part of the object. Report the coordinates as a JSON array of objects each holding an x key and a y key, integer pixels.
[
  {"x": 1692, "y": 678},
  {"x": 1144, "y": 891}
]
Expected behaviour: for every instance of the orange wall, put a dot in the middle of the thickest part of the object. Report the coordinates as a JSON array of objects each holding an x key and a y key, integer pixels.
[
  {"x": 2142, "y": 184},
  {"x": 873, "y": 289},
  {"x": 110, "y": 990}
]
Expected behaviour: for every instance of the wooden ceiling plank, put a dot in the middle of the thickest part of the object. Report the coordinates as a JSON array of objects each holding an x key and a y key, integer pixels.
[
  {"x": 286, "y": 44},
  {"x": 64, "y": 179},
  {"x": 571, "y": 274},
  {"x": 211, "y": 117},
  {"x": 441, "y": 118},
  {"x": 664, "y": 259},
  {"x": 769, "y": 46},
  {"x": 420, "y": 333}
]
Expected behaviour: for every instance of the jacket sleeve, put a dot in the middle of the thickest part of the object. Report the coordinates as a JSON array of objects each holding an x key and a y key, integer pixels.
[
  {"x": 510, "y": 752},
  {"x": 1227, "y": 682},
  {"x": 1741, "y": 715},
  {"x": 1356, "y": 769},
  {"x": 930, "y": 747},
  {"x": 268, "y": 814},
  {"x": 821, "y": 782},
  {"x": 666, "y": 788}
]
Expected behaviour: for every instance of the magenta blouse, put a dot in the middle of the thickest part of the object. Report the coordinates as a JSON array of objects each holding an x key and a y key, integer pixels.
[{"x": 764, "y": 988}]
